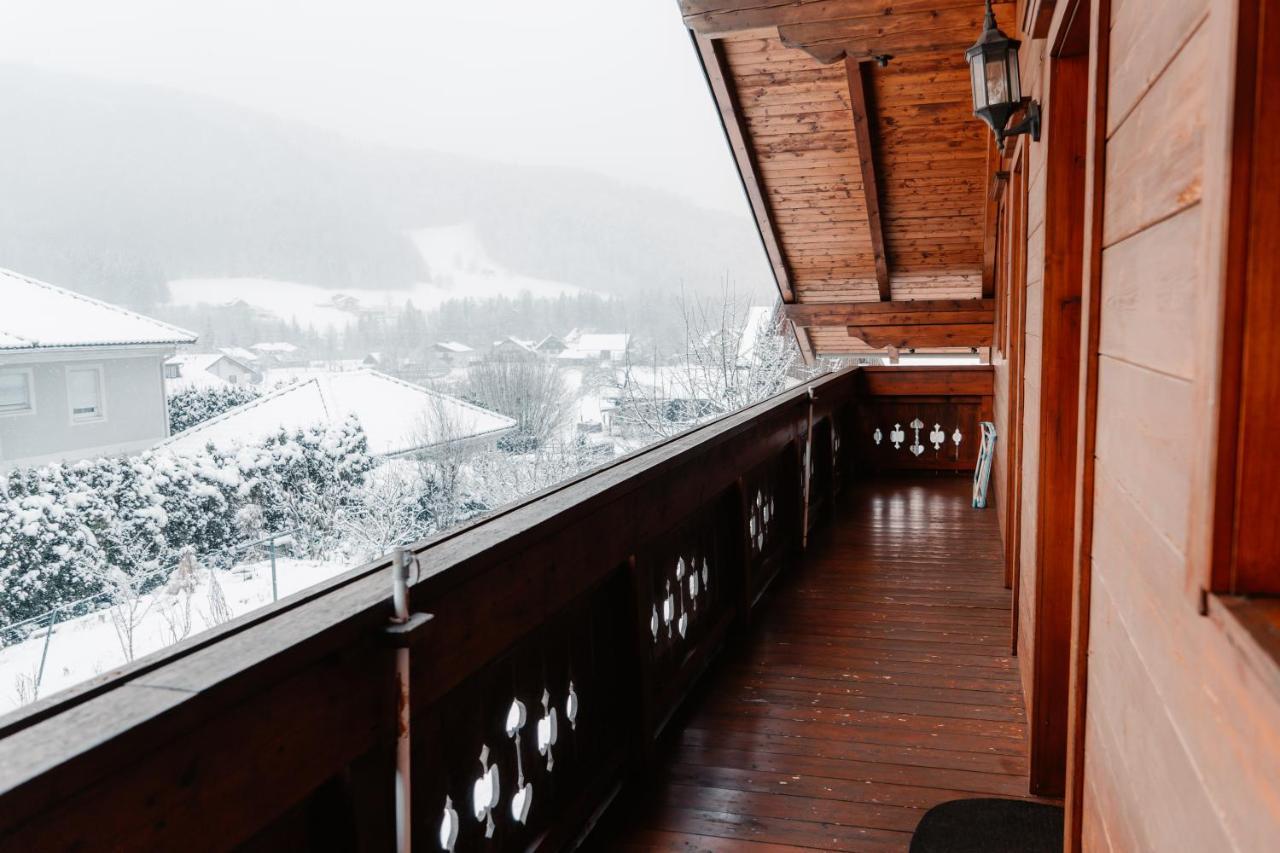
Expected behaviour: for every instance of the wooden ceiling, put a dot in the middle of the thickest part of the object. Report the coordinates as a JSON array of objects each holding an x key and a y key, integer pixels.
[{"x": 868, "y": 183}]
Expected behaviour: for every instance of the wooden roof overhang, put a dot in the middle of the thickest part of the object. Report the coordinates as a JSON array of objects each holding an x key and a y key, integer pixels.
[{"x": 870, "y": 184}]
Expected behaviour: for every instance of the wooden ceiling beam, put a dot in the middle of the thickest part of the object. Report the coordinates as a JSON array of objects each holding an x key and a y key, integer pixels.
[
  {"x": 900, "y": 313},
  {"x": 863, "y": 115},
  {"x": 720, "y": 17},
  {"x": 918, "y": 337},
  {"x": 894, "y": 33},
  {"x": 720, "y": 81}
]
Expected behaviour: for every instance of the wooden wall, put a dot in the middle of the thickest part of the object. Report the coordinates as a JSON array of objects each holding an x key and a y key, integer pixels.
[
  {"x": 1182, "y": 745},
  {"x": 1182, "y": 725}
]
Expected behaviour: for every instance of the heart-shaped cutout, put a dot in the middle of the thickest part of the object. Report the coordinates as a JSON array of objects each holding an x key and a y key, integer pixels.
[{"x": 521, "y": 803}]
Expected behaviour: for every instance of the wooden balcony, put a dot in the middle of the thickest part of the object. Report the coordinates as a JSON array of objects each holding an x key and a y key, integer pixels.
[
  {"x": 875, "y": 684},
  {"x": 762, "y": 600}
]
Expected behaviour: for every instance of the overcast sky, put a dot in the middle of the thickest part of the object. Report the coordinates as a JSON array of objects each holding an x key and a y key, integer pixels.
[{"x": 608, "y": 85}]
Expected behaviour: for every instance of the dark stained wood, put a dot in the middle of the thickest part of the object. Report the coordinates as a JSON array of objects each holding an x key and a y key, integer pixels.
[
  {"x": 924, "y": 311},
  {"x": 863, "y": 122},
  {"x": 924, "y": 336},
  {"x": 1036, "y": 16},
  {"x": 1057, "y": 421},
  {"x": 996, "y": 176},
  {"x": 1247, "y": 538},
  {"x": 874, "y": 685},
  {"x": 1099, "y": 20}
]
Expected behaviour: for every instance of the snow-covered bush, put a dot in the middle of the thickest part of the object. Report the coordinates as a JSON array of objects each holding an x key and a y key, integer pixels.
[
  {"x": 193, "y": 405},
  {"x": 114, "y": 527}
]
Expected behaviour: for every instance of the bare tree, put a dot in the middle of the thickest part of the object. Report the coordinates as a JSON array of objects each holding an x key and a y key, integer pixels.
[
  {"x": 732, "y": 357},
  {"x": 528, "y": 389},
  {"x": 128, "y": 606},
  {"x": 175, "y": 602}
]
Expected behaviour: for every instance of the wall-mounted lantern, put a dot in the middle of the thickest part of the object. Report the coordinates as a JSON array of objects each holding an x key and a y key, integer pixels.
[{"x": 997, "y": 88}]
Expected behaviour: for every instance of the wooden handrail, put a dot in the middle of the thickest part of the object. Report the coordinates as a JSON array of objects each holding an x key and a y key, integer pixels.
[{"x": 278, "y": 725}]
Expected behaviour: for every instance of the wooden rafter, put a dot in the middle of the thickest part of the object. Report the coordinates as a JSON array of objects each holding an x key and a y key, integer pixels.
[
  {"x": 863, "y": 116},
  {"x": 723, "y": 91},
  {"x": 919, "y": 336},
  {"x": 912, "y": 312},
  {"x": 720, "y": 17}
]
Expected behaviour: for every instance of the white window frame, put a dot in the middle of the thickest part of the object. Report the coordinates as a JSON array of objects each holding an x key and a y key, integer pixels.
[
  {"x": 31, "y": 392},
  {"x": 102, "y": 395}
]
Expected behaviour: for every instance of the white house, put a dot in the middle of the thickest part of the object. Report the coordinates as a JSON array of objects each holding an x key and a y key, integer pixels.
[
  {"x": 206, "y": 370},
  {"x": 398, "y": 418},
  {"x": 78, "y": 377}
]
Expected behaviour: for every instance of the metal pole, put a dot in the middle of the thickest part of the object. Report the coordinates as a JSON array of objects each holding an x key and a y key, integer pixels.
[
  {"x": 44, "y": 652},
  {"x": 275, "y": 596},
  {"x": 400, "y": 600}
]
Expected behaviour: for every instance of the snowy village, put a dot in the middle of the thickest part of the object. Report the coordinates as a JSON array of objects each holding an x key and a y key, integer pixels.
[{"x": 156, "y": 486}]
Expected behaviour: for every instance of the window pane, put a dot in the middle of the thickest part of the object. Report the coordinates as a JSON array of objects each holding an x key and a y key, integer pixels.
[
  {"x": 15, "y": 392},
  {"x": 85, "y": 392},
  {"x": 979, "y": 89},
  {"x": 997, "y": 83}
]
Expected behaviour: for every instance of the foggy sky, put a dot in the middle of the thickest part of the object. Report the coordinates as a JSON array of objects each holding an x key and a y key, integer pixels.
[{"x": 607, "y": 85}]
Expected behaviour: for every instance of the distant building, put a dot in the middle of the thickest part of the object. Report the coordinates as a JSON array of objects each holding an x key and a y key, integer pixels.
[
  {"x": 551, "y": 345},
  {"x": 510, "y": 348},
  {"x": 398, "y": 418},
  {"x": 451, "y": 353},
  {"x": 78, "y": 377},
  {"x": 602, "y": 348},
  {"x": 204, "y": 370},
  {"x": 278, "y": 354}
]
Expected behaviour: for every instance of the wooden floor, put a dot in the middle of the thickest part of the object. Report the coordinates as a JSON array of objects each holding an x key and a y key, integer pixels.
[{"x": 875, "y": 684}]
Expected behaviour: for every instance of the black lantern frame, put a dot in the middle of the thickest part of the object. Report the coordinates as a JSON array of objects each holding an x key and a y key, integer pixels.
[{"x": 997, "y": 85}]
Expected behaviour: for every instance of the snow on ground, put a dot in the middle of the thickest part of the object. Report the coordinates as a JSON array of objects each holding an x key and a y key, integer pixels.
[
  {"x": 458, "y": 265},
  {"x": 83, "y": 647}
]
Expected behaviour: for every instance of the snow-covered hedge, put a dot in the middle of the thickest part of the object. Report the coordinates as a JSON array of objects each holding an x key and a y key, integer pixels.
[
  {"x": 66, "y": 531},
  {"x": 194, "y": 405}
]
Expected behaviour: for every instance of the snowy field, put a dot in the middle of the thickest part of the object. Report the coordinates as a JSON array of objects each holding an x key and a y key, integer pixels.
[
  {"x": 458, "y": 264},
  {"x": 89, "y": 645}
]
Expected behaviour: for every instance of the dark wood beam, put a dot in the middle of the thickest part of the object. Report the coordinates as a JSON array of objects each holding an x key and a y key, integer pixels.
[
  {"x": 901, "y": 313},
  {"x": 893, "y": 33},
  {"x": 996, "y": 177},
  {"x": 917, "y": 336},
  {"x": 720, "y": 80},
  {"x": 863, "y": 115},
  {"x": 721, "y": 17}
]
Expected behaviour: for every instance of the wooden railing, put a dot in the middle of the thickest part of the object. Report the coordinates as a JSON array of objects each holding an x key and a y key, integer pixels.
[{"x": 566, "y": 632}]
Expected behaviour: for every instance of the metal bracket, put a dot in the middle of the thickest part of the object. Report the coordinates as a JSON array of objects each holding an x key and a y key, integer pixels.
[{"x": 403, "y": 635}]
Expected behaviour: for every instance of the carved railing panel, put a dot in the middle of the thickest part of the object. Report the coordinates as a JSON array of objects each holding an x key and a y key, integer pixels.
[
  {"x": 770, "y": 497},
  {"x": 505, "y": 754}
]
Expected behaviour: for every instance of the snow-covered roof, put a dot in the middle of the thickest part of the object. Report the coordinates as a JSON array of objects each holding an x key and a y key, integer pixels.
[
  {"x": 453, "y": 346},
  {"x": 241, "y": 354},
  {"x": 194, "y": 372},
  {"x": 274, "y": 346},
  {"x": 616, "y": 342},
  {"x": 39, "y": 315},
  {"x": 397, "y": 417},
  {"x": 759, "y": 318}
]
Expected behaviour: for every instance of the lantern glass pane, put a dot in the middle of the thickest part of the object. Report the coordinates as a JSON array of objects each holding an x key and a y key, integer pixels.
[
  {"x": 978, "y": 79},
  {"x": 1015, "y": 80},
  {"x": 997, "y": 79}
]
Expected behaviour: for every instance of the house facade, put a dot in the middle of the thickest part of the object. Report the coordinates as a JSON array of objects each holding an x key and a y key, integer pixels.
[{"x": 79, "y": 378}]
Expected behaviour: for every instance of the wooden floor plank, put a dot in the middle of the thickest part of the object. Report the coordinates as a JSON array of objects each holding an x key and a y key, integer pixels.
[{"x": 875, "y": 684}]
